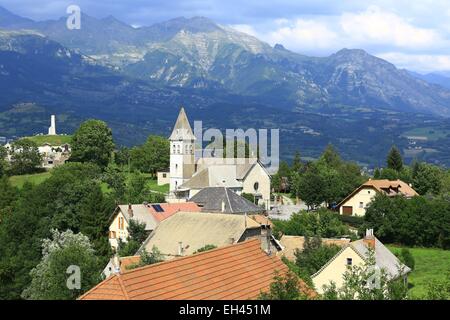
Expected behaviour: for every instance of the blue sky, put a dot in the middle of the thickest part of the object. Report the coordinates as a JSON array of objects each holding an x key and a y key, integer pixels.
[{"x": 413, "y": 34}]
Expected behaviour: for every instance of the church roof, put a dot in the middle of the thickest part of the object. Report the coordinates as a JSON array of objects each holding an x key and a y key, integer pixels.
[
  {"x": 214, "y": 176},
  {"x": 182, "y": 129},
  {"x": 211, "y": 199}
]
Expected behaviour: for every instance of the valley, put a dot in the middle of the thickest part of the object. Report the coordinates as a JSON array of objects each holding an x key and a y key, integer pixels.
[{"x": 136, "y": 79}]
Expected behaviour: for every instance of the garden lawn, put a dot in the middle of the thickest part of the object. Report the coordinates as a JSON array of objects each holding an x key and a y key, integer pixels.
[
  {"x": 56, "y": 140},
  {"x": 37, "y": 178},
  {"x": 153, "y": 185},
  {"x": 431, "y": 264}
]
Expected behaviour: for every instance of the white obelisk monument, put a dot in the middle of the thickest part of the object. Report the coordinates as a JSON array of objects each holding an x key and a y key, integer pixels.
[{"x": 52, "y": 129}]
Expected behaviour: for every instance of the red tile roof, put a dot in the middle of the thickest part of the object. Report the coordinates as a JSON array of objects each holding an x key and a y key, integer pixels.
[
  {"x": 387, "y": 187},
  {"x": 240, "y": 271},
  {"x": 172, "y": 208}
]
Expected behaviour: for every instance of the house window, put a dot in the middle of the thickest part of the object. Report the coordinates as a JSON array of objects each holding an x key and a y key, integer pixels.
[
  {"x": 361, "y": 204},
  {"x": 349, "y": 261},
  {"x": 121, "y": 223},
  {"x": 164, "y": 175},
  {"x": 112, "y": 234},
  {"x": 256, "y": 186}
]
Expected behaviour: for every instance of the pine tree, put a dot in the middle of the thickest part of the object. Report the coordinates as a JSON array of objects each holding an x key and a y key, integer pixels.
[
  {"x": 394, "y": 159},
  {"x": 297, "y": 162}
]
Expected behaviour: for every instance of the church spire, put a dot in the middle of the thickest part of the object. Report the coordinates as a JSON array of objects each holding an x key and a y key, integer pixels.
[{"x": 182, "y": 129}]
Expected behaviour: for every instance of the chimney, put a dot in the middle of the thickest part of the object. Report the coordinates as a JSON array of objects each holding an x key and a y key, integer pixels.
[
  {"x": 268, "y": 239},
  {"x": 130, "y": 210},
  {"x": 369, "y": 239},
  {"x": 180, "y": 248},
  {"x": 116, "y": 264}
]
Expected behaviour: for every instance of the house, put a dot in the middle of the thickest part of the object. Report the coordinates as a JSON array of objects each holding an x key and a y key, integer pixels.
[
  {"x": 356, "y": 253},
  {"x": 291, "y": 244},
  {"x": 150, "y": 214},
  {"x": 185, "y": 232},
  {"x": 224, "y": 200},
  {"x": 163, "y": 177},
  {"x": 355, "y": 203},
  {"x": 235, "y": 272},
  {"x": 188, "y": 174},
  {"x": 54, "y": 155}
]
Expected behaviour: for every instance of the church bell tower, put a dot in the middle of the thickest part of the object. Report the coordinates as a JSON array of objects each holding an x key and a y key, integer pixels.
[{"x": 182, "y": 150}]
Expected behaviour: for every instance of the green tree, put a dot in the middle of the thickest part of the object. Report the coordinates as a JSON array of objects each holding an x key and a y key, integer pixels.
[
  {"x": 412, "y": 222},
  {"x": 406, "y": 257},
  {"x": 152, "y": 156},
  {"x": 206, "y": 248},
  {"x": 327, "y": 180},
  {"x": 147, "y": 258},
  {"x": 3, "y": 162},
  {"x": 394, "y": 159},
  {"x": 322, "y": 223},
  {"x": 314, "y": 255},
  {"x": 92, "y": 142},
  {"x": 297, "y": 164},
  {"x": 439, "y": 289},
  {"x": 136, "y": 231},
  {"x": 281, "y": 177},
  {"x": 122, "y": 156},
  {"x": 8, "y": 195},
  {"x": 116, "y": 180},
  {"x": 138, "y": 191},
  {"x": 128, "y": 248},
  {"x": 389, "y": 174},
  {"x": 136, "y": 236},
  {"x": 377, "y": 174},
  {"x": 71, "y": 198},
  {"x": 331, "y": 157},
  {"x": 427, "y": 178},
  {"x": 25, "y": 157},
  {"x": 310, "y": 186},
  {"x": 285, "y": 287},
  {"x": 249, "y": 196},
  {"x": 152, "y": 257},
  {"x": 49, "y": 279}
]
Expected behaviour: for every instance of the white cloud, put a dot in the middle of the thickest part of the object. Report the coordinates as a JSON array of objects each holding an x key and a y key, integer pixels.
[
  {"x": 245, "y": 28},
  {"x": 381, "y": 27},
  {"x": 396, "y": 38},
  {"x": 302, "y": 35},
  {"x": 418, "y": 62}
]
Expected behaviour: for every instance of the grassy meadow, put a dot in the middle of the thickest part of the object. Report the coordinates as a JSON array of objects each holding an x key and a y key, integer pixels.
[
  {"x": 56, "y": 140},
  {"x": 431, "y": 264}
]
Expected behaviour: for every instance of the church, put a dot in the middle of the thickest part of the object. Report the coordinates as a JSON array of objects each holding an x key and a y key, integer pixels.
[{"x": 188, "y": 174}]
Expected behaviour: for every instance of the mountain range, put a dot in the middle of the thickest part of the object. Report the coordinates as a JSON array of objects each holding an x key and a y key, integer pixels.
[{"x": 138, "y": 77}]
